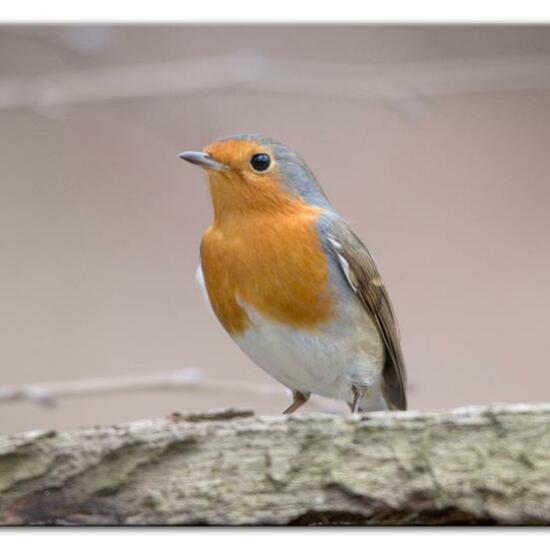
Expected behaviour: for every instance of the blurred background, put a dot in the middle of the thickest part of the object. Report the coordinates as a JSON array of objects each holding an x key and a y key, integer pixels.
[{"x": 433, "y": 141}]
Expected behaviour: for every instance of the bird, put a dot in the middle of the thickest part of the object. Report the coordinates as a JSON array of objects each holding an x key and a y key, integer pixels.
[{"x": 291, "y": 282}]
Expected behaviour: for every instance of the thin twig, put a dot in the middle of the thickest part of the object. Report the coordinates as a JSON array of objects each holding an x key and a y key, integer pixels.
[{"x": 49, "y": 394}]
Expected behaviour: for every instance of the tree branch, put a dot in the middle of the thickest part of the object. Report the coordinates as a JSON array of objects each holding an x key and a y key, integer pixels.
[
  {"x": 49, "y": 393},
  {"x": 480, "y": 465}
]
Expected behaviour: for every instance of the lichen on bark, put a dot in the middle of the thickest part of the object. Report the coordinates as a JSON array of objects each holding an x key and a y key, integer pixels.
[{"x": 477, "y": 465}]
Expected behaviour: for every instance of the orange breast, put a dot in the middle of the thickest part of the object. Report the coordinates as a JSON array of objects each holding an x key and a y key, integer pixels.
[{"x": 273, "y": 262}]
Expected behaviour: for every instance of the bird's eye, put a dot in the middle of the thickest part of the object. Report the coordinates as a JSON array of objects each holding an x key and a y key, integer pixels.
[{"x": 260, "y": 162}]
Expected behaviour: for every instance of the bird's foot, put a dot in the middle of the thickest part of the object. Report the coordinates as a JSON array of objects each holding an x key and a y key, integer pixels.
[
  {"x": 358, "y": 394},
  {"x": 298, "y": 399}
]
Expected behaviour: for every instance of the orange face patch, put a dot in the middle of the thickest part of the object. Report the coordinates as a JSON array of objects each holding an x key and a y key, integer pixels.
[
  {"x": 263, "y": 248},
  {"x": 235, "y": 153},
  {"x": 241, "y": 190}
]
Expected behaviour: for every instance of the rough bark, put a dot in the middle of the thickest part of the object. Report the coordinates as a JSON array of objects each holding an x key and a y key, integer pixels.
[{"x": 480, "y": 465}]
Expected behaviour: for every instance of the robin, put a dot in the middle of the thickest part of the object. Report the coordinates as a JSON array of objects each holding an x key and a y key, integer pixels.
[{"x": 290, "y": 281}]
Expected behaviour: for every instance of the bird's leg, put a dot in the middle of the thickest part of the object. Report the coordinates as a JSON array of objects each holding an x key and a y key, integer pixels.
[
  {"x": 298, "y": 399},
  {"x": 358, "y": 394}
]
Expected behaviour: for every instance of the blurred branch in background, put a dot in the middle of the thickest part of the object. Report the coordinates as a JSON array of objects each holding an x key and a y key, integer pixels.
[
  {"x": 49, "y": 393},
  {"x": 258, "y": 73},
  {"x": 128, "y": 82}
]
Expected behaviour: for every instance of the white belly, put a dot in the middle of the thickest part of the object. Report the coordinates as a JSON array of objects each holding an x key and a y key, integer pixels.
[{"x": 325, "y": 361}]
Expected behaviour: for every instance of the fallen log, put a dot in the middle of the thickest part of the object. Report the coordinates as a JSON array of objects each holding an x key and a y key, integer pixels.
[{"x": 476, "y": 465}]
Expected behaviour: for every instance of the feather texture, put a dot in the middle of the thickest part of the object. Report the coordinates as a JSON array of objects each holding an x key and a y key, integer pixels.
[{"x": 359, "y": 269}]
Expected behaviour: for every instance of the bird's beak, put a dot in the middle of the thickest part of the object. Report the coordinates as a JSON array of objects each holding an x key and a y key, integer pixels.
[{"x": 204, "y": 160}]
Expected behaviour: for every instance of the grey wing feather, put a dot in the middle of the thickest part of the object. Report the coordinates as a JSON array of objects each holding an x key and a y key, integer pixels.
[{"x": 362, "y": 274}]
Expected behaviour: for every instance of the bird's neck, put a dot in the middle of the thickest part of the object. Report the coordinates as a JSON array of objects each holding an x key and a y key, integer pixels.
[{"x": 234, "y": 199}]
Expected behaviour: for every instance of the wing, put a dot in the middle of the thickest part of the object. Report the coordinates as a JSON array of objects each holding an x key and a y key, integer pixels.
[{"x": 361, "y": 273}]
